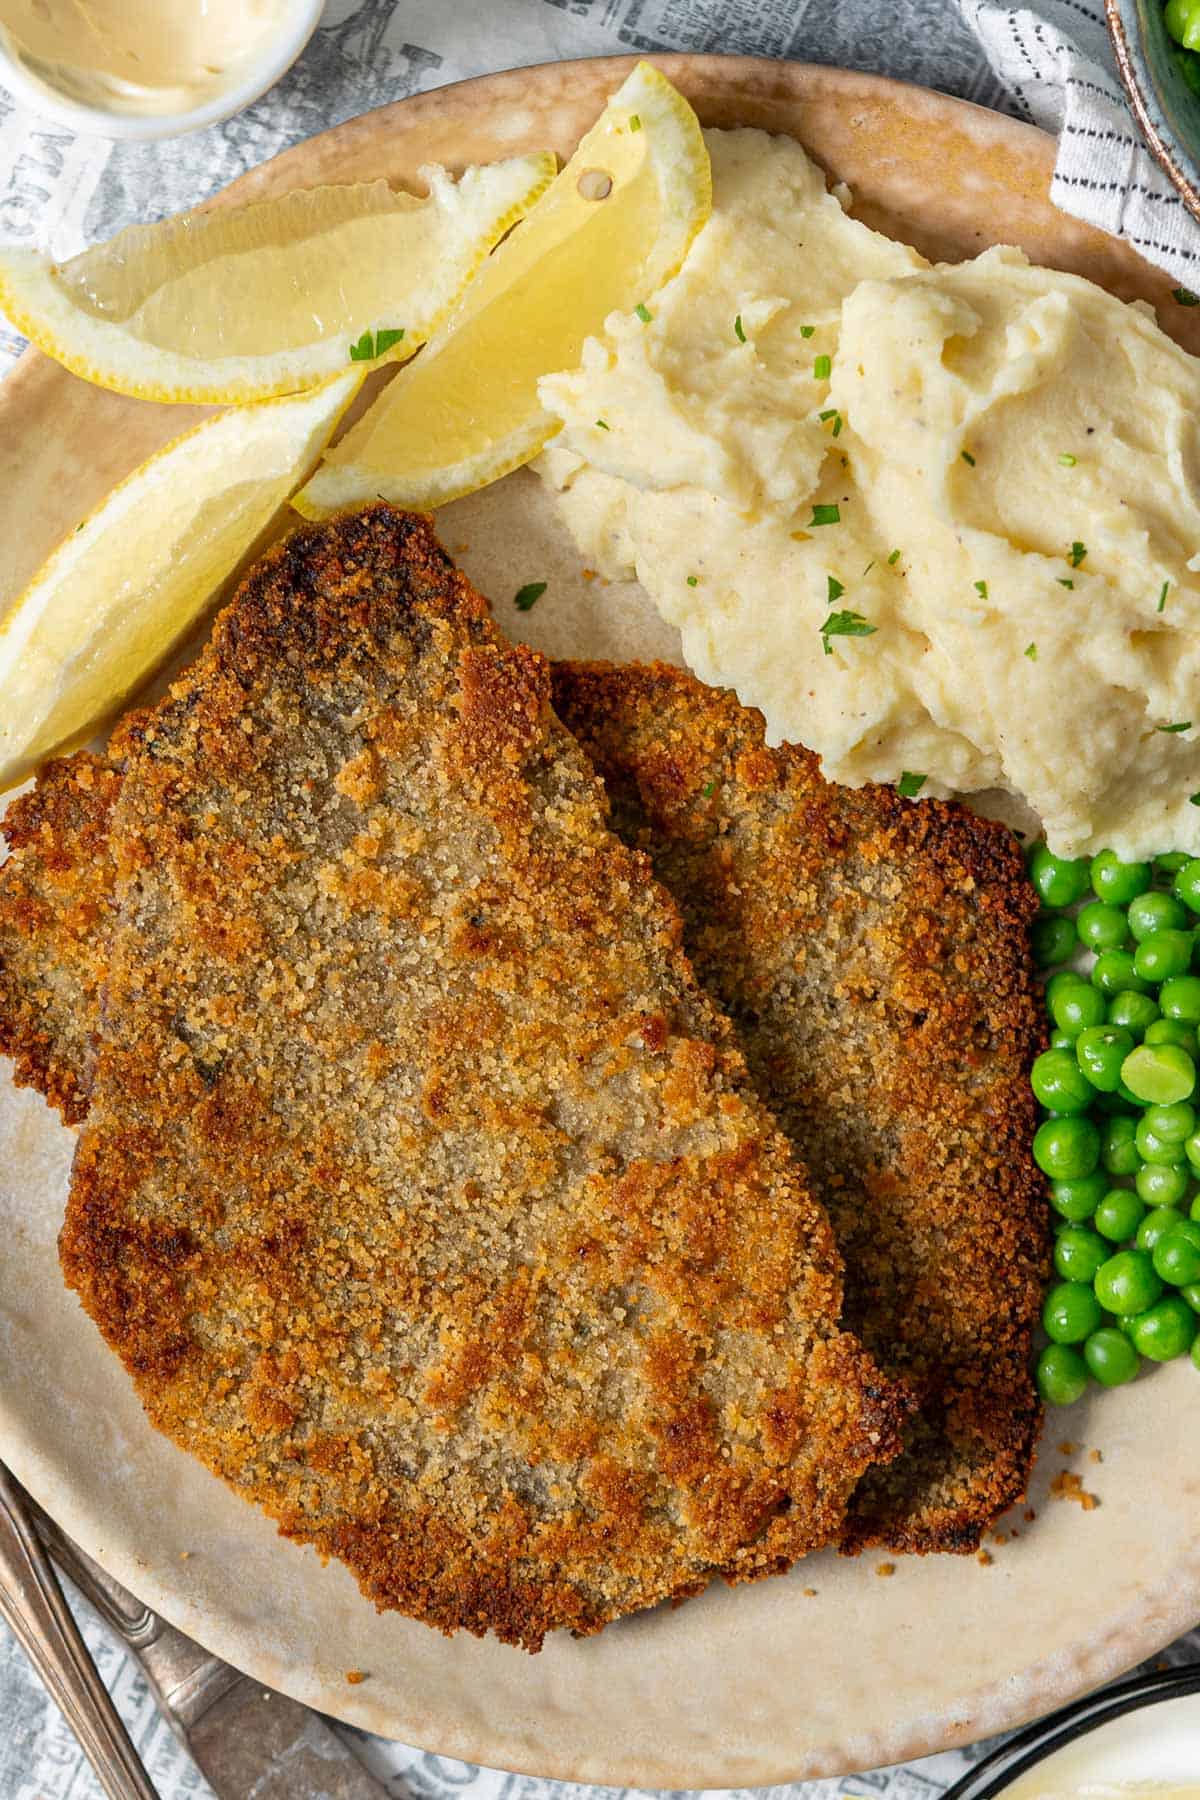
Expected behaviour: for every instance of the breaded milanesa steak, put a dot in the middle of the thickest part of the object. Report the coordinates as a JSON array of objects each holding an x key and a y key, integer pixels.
[
  {"x": 872, "y": 954},
  {"x": 55, "y": 895},
  {"x": 422, "y": 1190}
]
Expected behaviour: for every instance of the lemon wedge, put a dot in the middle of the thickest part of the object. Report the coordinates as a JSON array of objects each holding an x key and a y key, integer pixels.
[
  {"x": 614, "y": 225},
  {"x": 241, "y": 304},
  {"x": 114, "y": 598}
]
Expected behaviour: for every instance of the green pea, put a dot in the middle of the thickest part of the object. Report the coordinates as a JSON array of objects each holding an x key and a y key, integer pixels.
[
  {"x": 1059, "y": 880},
  {"x": 1186, "y": 885},
  {"x": 1102, "y": 927},
  {"x": 1159, "y": 1074},
  {"x": 1191, "y": 1150},
  {"x": 1156, "y": 1225},
  {"x": 1179, "y": 998},
  {"x": 1195, "y": 1354},
  {"x": 1113, "y": 973},
  {"x": 1110, "y": 1357},
  {"x": 1165, "y": 1330},
  {"x": 1133, "y": 1012},
  {"x": 1070, "y": 1311},
  {"x": 1065, "y": 1148},
  {"x": 1060, "y": 1084},
  {"x": 1155, "y": 912},
  {"x": 1059, "y": 1040},
  {"x": 1118, "y": 1147},
  {"x": 1075, "y": 1006},
  {"x": 1053, "y": 939},
  {"x": 1171, "y": 862},
  {"x": 1118, "y": 1215},
  {"x": 1126, "y": 1283},
  {"x": 1061, "y": 978},
  {"x": 1077, "y": 1200},
  {"x": 1078, "y": 1253},
  {"x": 1193, "y": 1210},
  {"x": 1153, "y": 1149},
  {"x": 1176, "y": 1255},
  {"x": 1182, "y": 20},
  {"x": 1161, "y": 1184},
  {"x": 1171, "y": 1123},
  {"x": 1100, "y": 1052},
  {"x": 1061, "y": 1375},
  {"x": 1191, "y": 1293},
  {"x": 1116, "y": 881},
  {"x": 1173, "y": 1031},
  {"x": 1162, "y": 955}
]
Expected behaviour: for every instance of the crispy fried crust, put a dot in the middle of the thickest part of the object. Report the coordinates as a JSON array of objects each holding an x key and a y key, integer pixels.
[
  {"x": 55, "y": 894},
  {"x": 423, "y": 1191},
  {"x": 872, "y": 954}
]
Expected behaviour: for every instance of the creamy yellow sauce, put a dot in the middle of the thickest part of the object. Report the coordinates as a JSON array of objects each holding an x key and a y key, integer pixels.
[
  {"x": 138, "y": 56},
  {"x": 992, "y": 468}
]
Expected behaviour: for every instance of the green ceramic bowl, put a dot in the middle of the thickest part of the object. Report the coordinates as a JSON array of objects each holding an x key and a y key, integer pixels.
[{"x": 1165, "y": 107}]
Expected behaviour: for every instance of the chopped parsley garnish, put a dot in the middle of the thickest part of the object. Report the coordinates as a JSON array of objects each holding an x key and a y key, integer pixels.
[
  {"x": 968, "y": 458},
  {"x": 834, "y": 589},
  {"x": 1064, "y": 581},
  {"x": 1162, "y": 596},
  {"x": 1078, "y": 552},
  {"x": 707, "y": 789},
  {"x": 981, "y": 589},
  {"x": 635, "y": 124},
  {"x": 844, "y": 624},
  {"x": 1182, "y": 725},
  {"x": 603, "y": 425},
  {"x": 693, "y": 581},
  {"x": 529, "y": 595},
  {"x": 1067, "y": 460},
  {"x": 825, "y": 515},
  {"x": 1194, "y": 799},
  {"x": 806, "y": 331},
  {"x": 831, "y": 412},
  {"x": 375, "y": 343},
  {"x": 1185, "y": 297},
  {"x": 643, "y": 312},
  {"x": 822, "y": 367},
  {"x": 1031, "y": 652},
  {"x": 738, "y": 333},
  {"x": 910, "y": 785},
  {"x": 893, "y": 559}
]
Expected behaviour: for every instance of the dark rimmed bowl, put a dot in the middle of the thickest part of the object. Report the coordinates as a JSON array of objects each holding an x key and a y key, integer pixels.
[
  {"x": 1166, "y": 108},
  {"x": 990, "y": 1779}
]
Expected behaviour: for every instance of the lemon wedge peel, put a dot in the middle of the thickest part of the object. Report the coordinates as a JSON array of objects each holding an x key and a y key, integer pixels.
[
  {"x": 172, "y": 280},
  {"x": 466, "y": 412},
  {"x": 119, "y": 593}
]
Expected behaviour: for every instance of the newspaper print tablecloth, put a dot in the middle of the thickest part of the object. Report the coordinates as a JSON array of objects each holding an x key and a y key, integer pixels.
[{"x": 61, "y": 192}]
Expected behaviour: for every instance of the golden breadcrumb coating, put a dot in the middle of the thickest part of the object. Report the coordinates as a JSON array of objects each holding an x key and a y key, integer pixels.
[
  {"x": 422, "y": 1190},
  {"x": 55, "y": 893},
  {"x": 872, "y": 954}
]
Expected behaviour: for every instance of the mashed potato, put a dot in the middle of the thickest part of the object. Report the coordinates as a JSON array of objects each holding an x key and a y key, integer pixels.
[{"x": 979, "y": 480}]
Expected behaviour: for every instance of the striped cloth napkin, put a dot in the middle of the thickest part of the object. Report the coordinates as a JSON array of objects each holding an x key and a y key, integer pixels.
[{"x": 1056, "y": 60}]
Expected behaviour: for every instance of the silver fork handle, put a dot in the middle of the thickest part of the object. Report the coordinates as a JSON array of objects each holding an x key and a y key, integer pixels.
[{"x": 32, "y": 1603}]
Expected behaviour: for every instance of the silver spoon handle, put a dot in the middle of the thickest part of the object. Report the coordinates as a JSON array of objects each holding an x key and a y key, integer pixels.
[{"x": 32, "y": 1603}]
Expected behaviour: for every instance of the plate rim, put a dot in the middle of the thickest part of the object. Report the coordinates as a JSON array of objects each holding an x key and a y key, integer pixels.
[{"x": 498, "y": 1744}]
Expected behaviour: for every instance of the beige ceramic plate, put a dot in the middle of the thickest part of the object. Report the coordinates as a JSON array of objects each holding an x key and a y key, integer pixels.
[{"x": 739, "y": 1687}]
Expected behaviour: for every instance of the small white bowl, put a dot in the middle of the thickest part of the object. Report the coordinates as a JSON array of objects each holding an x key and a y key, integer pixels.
[{"x": 299, "y": 21}]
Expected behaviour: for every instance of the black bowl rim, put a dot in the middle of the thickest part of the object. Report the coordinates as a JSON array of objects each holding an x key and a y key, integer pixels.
[{"x": 1034, "y": 1743}]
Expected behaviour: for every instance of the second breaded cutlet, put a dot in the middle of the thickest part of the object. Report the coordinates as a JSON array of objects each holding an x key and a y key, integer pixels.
[
  {"x": 872, "y": 954},
  {"x": 422, "y": 1190}
]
